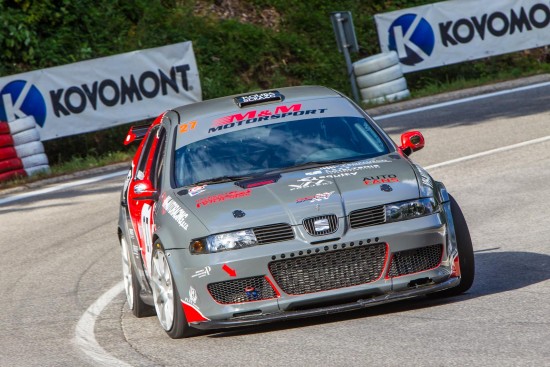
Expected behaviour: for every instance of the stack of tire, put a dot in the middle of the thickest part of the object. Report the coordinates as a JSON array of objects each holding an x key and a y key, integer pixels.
[
  {"x": 21, "y": 151},
  {"x": 380, "y": 78}
]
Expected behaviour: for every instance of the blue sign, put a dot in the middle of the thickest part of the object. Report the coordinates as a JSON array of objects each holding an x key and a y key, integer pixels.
[
  {"x": 19, "y": 99},
  {"x": 412, "y": 37}
]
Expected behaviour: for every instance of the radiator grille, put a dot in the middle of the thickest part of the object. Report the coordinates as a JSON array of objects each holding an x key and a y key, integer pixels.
[
  {"x": 241, "y": 290},
  {"x": 329, "y": 270},
  {"x": 319, "y": 226},
  {"x": 367, "y": 217},
  {"x": 415, "y": 260},
  {"x": 274, "y": 233}
]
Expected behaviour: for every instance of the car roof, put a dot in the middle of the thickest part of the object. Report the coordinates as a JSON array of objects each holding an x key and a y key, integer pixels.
[{"x": 227, "y": 104}]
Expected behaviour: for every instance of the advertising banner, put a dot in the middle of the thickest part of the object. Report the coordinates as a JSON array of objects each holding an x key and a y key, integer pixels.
[
  {"x": 104, "y": 92},
  {"x": 454, "y": 31}
]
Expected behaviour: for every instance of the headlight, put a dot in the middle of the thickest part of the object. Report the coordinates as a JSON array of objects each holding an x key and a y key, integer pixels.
[
  {"x": 224, "y": 242},
  {"x": 410, "y": 209}
]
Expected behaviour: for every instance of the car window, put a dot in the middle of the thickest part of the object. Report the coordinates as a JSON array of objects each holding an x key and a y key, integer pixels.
[
  {"x": 158, "y": 159},
  {"x": 260, "y": 149},
  {"x": 142, "y": 164}
]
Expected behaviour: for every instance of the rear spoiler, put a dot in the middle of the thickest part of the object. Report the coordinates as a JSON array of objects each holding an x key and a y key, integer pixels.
[{"x": 137, "y": 132}]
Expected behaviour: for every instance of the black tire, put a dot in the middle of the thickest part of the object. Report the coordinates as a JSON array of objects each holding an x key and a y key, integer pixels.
[
  {"x": 178, "y": 328},
  {"x": 465, "y": 253},
  {"x": 135, "y": 303}
]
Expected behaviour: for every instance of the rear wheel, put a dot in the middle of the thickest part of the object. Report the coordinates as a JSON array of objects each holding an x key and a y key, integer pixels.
[
  {"x": 465, "y": 253},
  {"x": 166, "y": 297},
  {"x": 131, "y": 284}
]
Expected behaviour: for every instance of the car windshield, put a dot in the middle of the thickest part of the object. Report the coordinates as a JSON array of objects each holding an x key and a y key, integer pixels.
[{"x": 276, "y": 147}]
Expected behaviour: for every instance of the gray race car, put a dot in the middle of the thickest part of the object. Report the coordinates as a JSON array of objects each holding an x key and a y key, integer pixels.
[{"x": 281, "y": 204}]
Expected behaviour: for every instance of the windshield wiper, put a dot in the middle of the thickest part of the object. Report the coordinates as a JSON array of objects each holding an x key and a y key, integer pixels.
[
  {"x": 220, "y": 179},
  {"x": 305, "y": 165}
]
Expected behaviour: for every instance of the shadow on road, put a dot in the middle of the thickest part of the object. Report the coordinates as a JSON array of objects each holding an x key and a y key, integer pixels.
[{"x": 496, "y": 272}]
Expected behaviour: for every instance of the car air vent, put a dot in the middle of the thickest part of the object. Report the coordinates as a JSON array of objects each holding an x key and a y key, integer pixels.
[
  {"x": 415, "y": 260},
  {"x": 258, "y": 181},
  {"x": 273, "y": 233},
  {"x": 322, "y": 225},
  {"x": 330, "y": 270},
  {"x": 367, "y": 217}
]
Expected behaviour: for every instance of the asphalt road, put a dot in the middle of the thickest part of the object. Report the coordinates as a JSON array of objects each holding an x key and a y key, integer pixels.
[{"x": 60, "y": 272}]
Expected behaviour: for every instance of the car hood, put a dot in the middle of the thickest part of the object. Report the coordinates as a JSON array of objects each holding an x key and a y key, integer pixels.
[{"x": 291, "y": 197}]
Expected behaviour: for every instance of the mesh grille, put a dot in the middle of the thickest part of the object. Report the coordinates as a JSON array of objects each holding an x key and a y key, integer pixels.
[
  {"x": 415, "y": 260},
  {"x": 241, "y": 290},
  {"x": 367, "y": 217},
  {"x": 274, "y": 233},
  {"x": 329, "y": 270},
  {"x": 314, "y": 225}
]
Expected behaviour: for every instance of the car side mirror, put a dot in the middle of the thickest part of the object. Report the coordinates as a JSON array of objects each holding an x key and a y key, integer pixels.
[
  {"x": 143, "y": 190},
  {"x": 411, "y": 141}
]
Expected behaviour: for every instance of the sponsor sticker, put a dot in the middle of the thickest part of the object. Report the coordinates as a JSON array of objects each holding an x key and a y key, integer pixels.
[
  {"x": 310, "y": 182},
  {"x": 175, "y": 211},
  {"x": 316, "y": 197},
  {"x": 381, "y": 179},
  {"x": 202, "y": 272},
  {"x": 196, "y": 190},
  {"x": 222, "y": 197}
]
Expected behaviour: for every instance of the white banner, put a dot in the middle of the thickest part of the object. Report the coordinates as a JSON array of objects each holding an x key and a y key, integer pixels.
[
  {"x": 101, "y": 93},
  {"x": 459, "y": 30}
]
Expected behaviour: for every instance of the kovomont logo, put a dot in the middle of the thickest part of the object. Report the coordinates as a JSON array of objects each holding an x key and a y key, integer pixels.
[
  {"x": 19, "y": 99},
  {"x": 412, "y": 37}
]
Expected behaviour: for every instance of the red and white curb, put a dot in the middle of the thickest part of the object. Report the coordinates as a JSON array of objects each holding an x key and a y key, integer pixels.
[{"x": 21, "y": 151}]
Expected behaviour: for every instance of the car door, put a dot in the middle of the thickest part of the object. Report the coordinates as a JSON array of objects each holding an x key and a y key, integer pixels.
[{"x": 143, "y": 193}]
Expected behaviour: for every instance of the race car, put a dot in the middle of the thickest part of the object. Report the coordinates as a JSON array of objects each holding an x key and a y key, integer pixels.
[{"x": 281, "y": 204}]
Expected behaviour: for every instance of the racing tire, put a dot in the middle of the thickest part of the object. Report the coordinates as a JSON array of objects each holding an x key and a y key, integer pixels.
[
  {"x": 166, "y": 297},
  {"x": 10, "y": 175},
  {"x": 374, "y": 63},
  {"x": 389, "y": 98},
  {"x": 385, "y": 89},
  {"x": 380, "y": 76},
  {"x": 25, "y": 137},
  {"x": 12, "y": 164},
  {"x": 131, "y": 284},
  {"x": 22, "y": 124},
  {"x": 37, "y": 169},
  {"x": 35, "y": 160},
  {"x": 465, "y": 253},
  {"x": 6, "y": 140},
  {"x": 7, "y": 153},
  {"x": 4, "y": 128},
  {"x": 32, "y": 148}
]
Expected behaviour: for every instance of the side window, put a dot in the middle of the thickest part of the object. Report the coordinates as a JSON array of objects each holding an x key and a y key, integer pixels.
[
  {"x": 140, "y": 172},
  {"x": 158, "y": 159}
]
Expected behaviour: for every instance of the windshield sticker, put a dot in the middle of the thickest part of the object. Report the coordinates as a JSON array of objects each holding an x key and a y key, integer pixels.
[
  {"x": 186, "y": 127},
  {"x": 196, "y": 190},
  {"x": 314, "y": 198},
  {"x": 310, "y": 182},
  {"x": 253, "y": 116},
  {"x": 222, "y": 197},
  {"x": 341, "y": 169},
  {"x": 377, "y": 180},
  {"x": 176, "y": 212}
]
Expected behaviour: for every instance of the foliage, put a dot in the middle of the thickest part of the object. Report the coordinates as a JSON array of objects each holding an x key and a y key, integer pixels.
[{"x": 240, "y": 45}]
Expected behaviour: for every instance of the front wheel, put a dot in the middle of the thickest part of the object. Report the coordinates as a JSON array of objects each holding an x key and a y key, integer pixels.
[
  {"x": 131, "y": 283},
  {"x": 166, "y": 297},
  {"x": 465, "y": 253}
]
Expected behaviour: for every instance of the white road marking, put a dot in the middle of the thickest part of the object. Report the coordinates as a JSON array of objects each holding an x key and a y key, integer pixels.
[
  {"x": 489, "y": 152},
  {"x": 84, "y": 332},
  {"x": 462, "y": 100}
]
